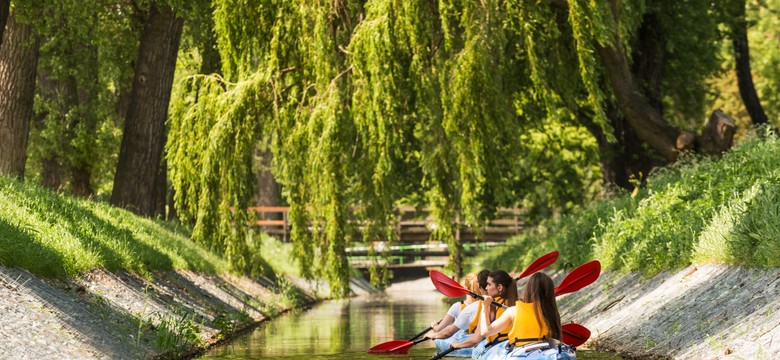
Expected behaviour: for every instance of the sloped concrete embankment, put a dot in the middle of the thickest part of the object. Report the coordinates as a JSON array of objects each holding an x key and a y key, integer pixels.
[
  {"x": 702, "y": 312},
  {"x": 124, "y": 316}
]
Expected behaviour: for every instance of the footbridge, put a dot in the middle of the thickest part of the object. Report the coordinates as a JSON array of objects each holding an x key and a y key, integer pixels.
[{"x": 413, "y": 228}]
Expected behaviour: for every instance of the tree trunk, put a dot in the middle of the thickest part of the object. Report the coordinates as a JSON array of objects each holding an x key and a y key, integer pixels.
[
  {"x": 267, "y": 187},
  {"x": 18, "y": 62},
  {"x": 625, "y": 162},
  {"x": 647, "y": 121},
  {"x": 5, "y": 6},
  {"x": 649, "y": 62},
  {"x": 87, "y": 100},
  {"x": 51, "y": 163},
  {"x": 742, "y": 59},
  {"x": 144, "y": 131}
]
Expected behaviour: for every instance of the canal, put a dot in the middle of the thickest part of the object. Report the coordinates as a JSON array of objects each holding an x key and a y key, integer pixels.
[{"x": 345, "y": 329}]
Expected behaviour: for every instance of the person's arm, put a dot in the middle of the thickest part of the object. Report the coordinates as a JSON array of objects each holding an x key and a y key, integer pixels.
[
  {"x": 486, "y": 328},
  {"x": 446, "y": 321},
  {"x": 472, "y": 341},
  {"x": 443, "y": 334}
]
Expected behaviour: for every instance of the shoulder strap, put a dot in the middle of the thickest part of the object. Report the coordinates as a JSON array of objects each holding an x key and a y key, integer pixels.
[{"x": 526, "y": 340}]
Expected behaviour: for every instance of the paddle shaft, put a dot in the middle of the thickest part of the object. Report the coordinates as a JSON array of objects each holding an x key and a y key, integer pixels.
[
  {"x": 422, "y": 333},
  {"x": 492, "y": 303},
  {"x": 443, "y": 353}
]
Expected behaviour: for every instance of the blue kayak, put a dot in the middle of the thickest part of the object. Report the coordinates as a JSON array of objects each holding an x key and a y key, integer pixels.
[{"x": 546, "y": 350}]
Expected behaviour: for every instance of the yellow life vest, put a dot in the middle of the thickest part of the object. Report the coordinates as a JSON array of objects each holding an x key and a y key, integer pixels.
[
  {"x": 475, "y": 320},
  {"x": 525, "y": 328},
  {"x": 462, "y": 305},
  {"x": 502, "y": 335}
]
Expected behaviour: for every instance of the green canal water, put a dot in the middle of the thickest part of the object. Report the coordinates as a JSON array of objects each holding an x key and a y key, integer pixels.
[{"x": 346, "y": 329}]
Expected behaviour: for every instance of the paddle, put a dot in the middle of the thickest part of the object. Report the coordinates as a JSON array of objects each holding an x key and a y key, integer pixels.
[
  {"x": 572, "y": 334},
  {"x": 399, "y": 346},
  {"x": 443, "y": 353},
  {"x": 539, "y": 264},
  {"x": 579, "y": 278},
  {"x": 451, "y": 288},
  {"x": 395, "y": 347}
]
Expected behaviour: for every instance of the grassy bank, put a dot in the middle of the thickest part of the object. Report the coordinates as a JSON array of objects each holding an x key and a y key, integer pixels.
[
  {"x": 162, "y": 312},
  {"x": 53, "y": 235},
  {"x": 701, "y": 210}
]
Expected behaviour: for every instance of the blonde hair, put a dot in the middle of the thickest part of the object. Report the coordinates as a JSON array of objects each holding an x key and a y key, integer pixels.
[{"x": 471, "y": 283}]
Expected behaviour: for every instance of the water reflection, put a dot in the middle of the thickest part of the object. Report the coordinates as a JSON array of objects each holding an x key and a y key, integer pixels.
[
  {"x": 346, "y": 329},
  {"x": 341, "y": 329}
]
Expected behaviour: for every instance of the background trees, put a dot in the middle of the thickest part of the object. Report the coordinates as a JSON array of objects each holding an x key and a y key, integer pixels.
[{"x": 462, "y": 106}]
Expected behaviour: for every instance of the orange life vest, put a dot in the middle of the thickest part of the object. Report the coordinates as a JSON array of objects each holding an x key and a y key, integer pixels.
[
  {"x": 475, "y": 320},
  {"x": 525, "y": 328},
  {"x": 502, "y": 335}
]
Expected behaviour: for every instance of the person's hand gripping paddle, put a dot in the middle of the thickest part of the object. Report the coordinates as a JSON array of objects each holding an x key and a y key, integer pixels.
[
  {"x": 572, "y": 334},
  {"x": 399, "y": 346},
  {"x": 452, "y": 288}
]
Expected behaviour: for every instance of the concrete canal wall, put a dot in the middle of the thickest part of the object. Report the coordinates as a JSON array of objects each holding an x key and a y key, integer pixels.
[
  {"x": 104, "y": 315},
  {"x": 701, "y": 312}
]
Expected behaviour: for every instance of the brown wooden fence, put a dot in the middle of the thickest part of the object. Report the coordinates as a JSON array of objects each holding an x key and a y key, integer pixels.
[{"x": 412, "y": 226}]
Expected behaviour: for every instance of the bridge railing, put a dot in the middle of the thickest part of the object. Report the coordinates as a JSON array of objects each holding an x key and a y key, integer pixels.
[{"x": 412, "y": 225}]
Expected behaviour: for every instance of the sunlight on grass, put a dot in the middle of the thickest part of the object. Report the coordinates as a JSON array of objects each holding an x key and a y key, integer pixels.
[
  {"x": 54, "y": 235},
  {"x": 705, "y": 210}
]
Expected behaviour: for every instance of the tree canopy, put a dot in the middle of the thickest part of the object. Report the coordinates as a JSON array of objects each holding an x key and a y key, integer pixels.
[
  {"x": 461, "y": 106},
  {"x": 368, "y": 104}
]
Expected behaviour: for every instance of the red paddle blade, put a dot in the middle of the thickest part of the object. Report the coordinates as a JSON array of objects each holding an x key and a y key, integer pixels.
[
  {"x": 574, "y": 334},
  {"x": 539, "y": 264},
  {"x": 395, "y": 346},
  {"x": 446, "y": 285},
  {"x": 579, "y": 278}
]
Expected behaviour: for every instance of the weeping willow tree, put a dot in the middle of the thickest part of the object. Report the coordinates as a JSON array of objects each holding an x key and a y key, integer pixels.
[{"x": 458, "y": 105}]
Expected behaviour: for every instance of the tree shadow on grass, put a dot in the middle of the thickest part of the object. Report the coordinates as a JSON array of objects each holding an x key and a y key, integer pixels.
[
  {"x": 116, "y": 247},
  {"x": 19, "y": 248}
]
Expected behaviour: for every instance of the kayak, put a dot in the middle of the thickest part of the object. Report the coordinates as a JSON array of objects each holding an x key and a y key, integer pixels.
[
  {"x": 546, "y": 350},
  {"x": 444, "y": 344}
]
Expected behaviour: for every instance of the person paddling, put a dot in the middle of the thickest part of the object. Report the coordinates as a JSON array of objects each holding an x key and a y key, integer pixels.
[
  {"x": 533, "y": 320},
  {"x": 471, "y": 282},
  {"x": 503, "y": 288},
  {"x": 460, "y": 328}
]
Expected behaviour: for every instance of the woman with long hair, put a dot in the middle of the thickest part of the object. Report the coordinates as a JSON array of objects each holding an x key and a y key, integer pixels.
[
  {"x": 533, "y": 320},
  {"x": 502, "y": 288}
]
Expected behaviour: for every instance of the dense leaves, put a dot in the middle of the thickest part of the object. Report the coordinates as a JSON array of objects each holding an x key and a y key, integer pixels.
[{"x": 456, "y": 105}]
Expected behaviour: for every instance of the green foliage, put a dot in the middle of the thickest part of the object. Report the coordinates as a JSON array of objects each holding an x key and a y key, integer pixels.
[
  {"x": 54, "y": 235},
  {"x": 365, "y": 105},
  {"x": 764, "y": 56},
  {"x": 82, "y": 72},
  {"x": 702, "y": 210},
  {"x": 175, "y": 333}
]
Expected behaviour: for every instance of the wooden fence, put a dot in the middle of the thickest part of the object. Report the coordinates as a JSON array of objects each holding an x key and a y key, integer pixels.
[{"x": 412, "y": 226}]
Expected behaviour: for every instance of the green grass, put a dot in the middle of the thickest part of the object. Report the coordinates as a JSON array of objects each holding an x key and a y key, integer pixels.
[
  {"x": 703, "y": 210},
  {"x": 55, "y": 235}
]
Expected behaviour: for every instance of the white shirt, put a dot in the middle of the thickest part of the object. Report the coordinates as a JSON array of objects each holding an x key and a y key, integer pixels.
[
  {"x": 454, "y": 310},
  {"x": 466, "y": 315}
]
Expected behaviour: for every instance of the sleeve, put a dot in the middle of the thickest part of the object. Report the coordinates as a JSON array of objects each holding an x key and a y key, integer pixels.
[
  {"x": 465, "y": 317},
  {"x": 454, "y": 310}
]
